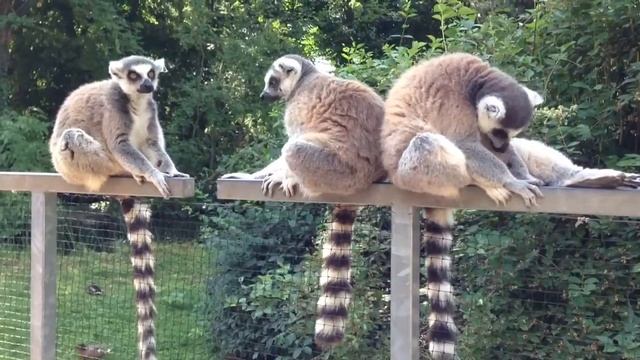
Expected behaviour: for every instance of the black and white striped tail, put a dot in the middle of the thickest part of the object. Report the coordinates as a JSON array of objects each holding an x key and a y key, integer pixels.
[
  {"x": 335, "y": 278},
  {"x": 438, "y": 238},
  {"x": 137, "y": 217}
]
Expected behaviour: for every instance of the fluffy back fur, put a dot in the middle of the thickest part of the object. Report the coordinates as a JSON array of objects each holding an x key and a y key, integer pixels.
[
  {"x": 333, "y": 127},
  {"x": 436, "y": 115},
  {"x": 342, "y": 116},
  {"x": 341, "y": 119},
  {"x": 442, "y": 95}
]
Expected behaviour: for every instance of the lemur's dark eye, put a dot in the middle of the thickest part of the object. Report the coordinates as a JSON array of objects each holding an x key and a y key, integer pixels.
[
  {"x": 273, "y": 82},
  {"x": 492, "y": 109},
  {"x": 151, "y": 74},
  {"x": 133, "y": 76}
]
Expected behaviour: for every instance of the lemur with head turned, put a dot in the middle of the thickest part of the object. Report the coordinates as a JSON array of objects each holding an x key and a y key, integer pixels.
[{"x": 333, "y": 128}]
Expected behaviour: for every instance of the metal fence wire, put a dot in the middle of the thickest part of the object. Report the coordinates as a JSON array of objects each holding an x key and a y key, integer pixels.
[
  {"x": 240, "y": 280},
  {"x": 14, "y": 276}
]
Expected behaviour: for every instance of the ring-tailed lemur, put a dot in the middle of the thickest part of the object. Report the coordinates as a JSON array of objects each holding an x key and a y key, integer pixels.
[
  {"x": 108, "y": 128},
  {"x": 333, "y": 128},
  {"x": 440, "y": 116}
]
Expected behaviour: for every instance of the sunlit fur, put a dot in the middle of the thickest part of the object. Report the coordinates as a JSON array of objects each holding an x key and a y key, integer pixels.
[{"x": 88, "y": 144}]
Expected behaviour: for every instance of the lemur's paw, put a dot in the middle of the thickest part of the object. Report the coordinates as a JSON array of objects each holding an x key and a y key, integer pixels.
[
  {"x": 527, "y": 191},
  {"x": 499, "y": 195},
  {"x": 158, "y": 180},
  {"x": 139, "y": 179},
  {"x": 287, "y": 184},
  {"x": 65, "y": 150},
  {"x": 177, "y": 174},
  {"x": 534, "y": 181}
]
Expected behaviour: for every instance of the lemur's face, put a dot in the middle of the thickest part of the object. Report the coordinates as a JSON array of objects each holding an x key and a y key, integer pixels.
[
  {"x": 281, "y": 79},
  {"x": 137, "y": 74},
  {"x": 503, "y": 116}
]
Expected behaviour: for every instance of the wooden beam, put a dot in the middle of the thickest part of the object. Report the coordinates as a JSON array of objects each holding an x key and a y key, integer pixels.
[
  {"x": 557, "y": 200},
  {"x": 43, "y": 276},
  {"x": 54, "y": 183}
]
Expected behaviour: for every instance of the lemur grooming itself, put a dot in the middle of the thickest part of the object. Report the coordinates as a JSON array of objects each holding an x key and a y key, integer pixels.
[
  {"x": 110, "y": 128},
  {"x": 333, "y": 127},
  {"x": 444, "y": 119}
]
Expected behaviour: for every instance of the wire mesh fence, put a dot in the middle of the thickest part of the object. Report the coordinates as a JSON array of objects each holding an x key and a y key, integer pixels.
[
  {"x": 14, "y": 276},
  {"x": 241, "y": 281},
  {"x": 96, "y": 308},
  {"x": 548, "y": 287}
]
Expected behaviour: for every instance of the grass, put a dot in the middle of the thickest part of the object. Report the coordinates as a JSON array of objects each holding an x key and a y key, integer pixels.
[{"x": 109, "y": 320}]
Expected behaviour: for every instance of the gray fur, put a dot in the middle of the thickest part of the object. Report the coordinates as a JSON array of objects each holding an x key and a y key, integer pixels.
[
  {"x": 307, "y": 66},
  {"x": 108, "y": 128}
]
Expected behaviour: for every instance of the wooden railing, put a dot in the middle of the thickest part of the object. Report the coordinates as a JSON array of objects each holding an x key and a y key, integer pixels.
[
  {"x": 405, "y": 232},
  {"x": 44, "y": 188},
  {"x": 405, "y": 242}
]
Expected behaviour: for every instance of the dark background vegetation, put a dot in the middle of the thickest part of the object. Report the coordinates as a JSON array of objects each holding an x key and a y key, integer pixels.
[{"x": 531, "y": 286}]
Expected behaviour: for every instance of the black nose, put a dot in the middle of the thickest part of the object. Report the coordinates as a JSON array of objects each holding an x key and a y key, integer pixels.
[
  {"x": 146, "y": 87},
  {"x": 266, "y": 97}
]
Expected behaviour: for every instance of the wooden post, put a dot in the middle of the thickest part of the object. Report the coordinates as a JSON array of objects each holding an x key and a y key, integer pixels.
[{"x": 43, "y": 275}]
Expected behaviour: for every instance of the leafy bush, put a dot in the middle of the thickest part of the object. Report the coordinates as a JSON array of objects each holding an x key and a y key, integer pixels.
[
  {"x": 260, "y": 251},
  {"x": 548, "y": 287},
  {"x": 264, "y": 296}
]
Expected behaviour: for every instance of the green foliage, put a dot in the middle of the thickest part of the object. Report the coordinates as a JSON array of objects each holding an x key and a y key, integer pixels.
[
  {"x": 23, "y": 141},
  {"x": 546, "y": 287},
  {"x": 23, "y": 147},
  {"x": 109, "y": 319},
  {"x": 261, "y": 253},
  {"x": 539, "y": 286},
  {"x": 265, "y": 297}
]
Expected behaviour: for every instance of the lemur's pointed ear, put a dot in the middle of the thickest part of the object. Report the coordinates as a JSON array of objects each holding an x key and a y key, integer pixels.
[
  {"x": 160, "y": 65},
  {"x": 115, "y": 68},
  {"x": 535, "y": 98}
]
